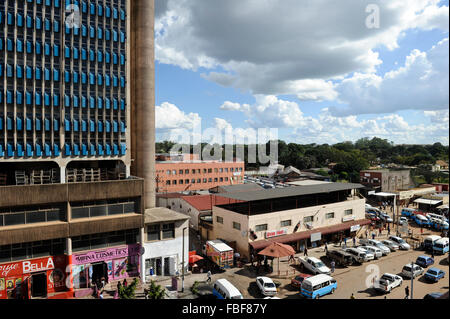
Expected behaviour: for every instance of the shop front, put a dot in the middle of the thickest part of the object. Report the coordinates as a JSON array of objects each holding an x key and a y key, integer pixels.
[
  {"x": 110, "y": 264},
  {"x": 34, "y": 278}
]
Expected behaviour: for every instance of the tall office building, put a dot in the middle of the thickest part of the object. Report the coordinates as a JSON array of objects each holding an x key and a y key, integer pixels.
[{"x": 68, "y": 121}]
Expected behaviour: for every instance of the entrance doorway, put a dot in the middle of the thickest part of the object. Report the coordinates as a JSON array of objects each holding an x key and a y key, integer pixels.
[
  {"x": 39, "y": 285},
  {"x": 99, "y": 271}
]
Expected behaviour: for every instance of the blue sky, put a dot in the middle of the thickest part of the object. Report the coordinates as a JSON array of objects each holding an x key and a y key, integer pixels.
[{"x": 342, "y": 83}]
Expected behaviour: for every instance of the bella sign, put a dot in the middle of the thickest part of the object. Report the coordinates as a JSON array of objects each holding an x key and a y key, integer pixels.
[
  {"x": 30, "y": 266},
  {"x": 276, "y": 233}
]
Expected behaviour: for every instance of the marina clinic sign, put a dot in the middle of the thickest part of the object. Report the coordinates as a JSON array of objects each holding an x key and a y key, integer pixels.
[{"x": 107, "y": 254}]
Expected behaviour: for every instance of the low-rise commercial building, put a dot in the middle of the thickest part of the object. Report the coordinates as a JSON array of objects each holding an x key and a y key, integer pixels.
[{"x": 384, "y": 180}]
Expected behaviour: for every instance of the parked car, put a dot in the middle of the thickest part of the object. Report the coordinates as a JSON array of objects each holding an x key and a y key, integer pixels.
[
  {"x": 376, "y": 243},
  {"x": 359, "y": 255},
  {"x": 387, "y": 282},
  {"x": 340, "y": 257},
  {"x": 390, "y": 244},
  {"x": 413, "y": 270},
  {"x": 403, "y": 221},
  {"x": 424, "y": 261},
  {"x": 441, "y": 246},
  {"x": 318, "y": 286},
  {"x": 408, "y": 212},
  {"x": 386, "y": 218},
  {"x": 421, "y": 220},
  {"x": 373, "y": 217},
  {"x": 429, "y": 241},
  {"x": 296, "y": 282},
  {"x": 266, "y": 286},
  {"x": 434, "y": 274},
  {"x": 372, "y": 250},
  {"x": 400, "y": 242},
  {"x": 433, "y": 295},
  {"x": 314, "y": 265}
]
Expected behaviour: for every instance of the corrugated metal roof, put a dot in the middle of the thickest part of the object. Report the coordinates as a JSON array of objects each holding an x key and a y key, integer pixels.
[
  {"x": 291, "y": 191},
  {"x": 206, "y": 202},
  {"x": 160, "y": 214},
  {"x": 240, "y": 188}
]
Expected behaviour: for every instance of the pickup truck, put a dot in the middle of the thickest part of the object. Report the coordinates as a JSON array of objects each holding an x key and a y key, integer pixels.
[
  {"x": 387, "y": 282},
  {"x": 314, "y": 265}
]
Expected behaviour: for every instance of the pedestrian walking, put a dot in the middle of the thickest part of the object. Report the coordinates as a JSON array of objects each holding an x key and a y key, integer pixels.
[
  {"x": 208, "y": 280},
  {"x": 432, "y": 253},
  {"x": 352, "y": 296},
  {"x": 100, "y": 295},
  {"x": 373, "y": 235},
  {"x": 305, "y": 252},
  {"x": 333, "y": 265},
  {"x": 119, "y": 285},
  {"x": 125, "y": 283},
  {"x": 354, "y": 241},
  {"x": 407, "y": 292},
  {"x": 389, "y": 229},
  {"x": 345, "y": 241},
  {"x": 380, "y": 231},
  {"x": 326, "y": 248},
  {"x": 291, "y": 258}
]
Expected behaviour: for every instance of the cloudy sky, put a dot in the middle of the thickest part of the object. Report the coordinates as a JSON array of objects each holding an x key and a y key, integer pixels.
[{"x": 319, "y": 71}]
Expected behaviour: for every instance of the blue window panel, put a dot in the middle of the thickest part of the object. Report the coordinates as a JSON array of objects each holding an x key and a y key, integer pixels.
[
  {"x": 19, "y": 71},
  {"x": 92, "y": 32},
  {"x": 84, "y": 31},
  {"x": 76, "y": 31},
  {"x": 1, "y": 71},
  {"x": 67, "y": 76},
  {"x": 48, "y": 25},
  {"x": 100, "y": 103},
  {"x": 38, "y": 74},
  {"x": 19, "y": 45},
  {"x": 115, "y": 58},
  {"x": 9, "y": 45},
  {"x": 68, "y": 29},
  {"x": 19, "y": 98},
  {"x": 100, "y": 33},
  {"x": 48, "y": 3},
  {"x": 20, "y": 20},
  {"x": 122, "y": 15},
  {"x": 47, "y": 125},
  {"x": 47, "y": 49},
  {"x": 92, "y": 9},
  {"x": 56, "y": 26},
  {"x": 92, "y": 55},
  {"x": 107, "y": 35},
  {"x": 19, "y": 124},
  {"x": 47, "y": 150},
  {"x": 20, "y": 152},
  {"x": 107, "y": 80},
  {"x": 29, "y": 98},
  {"x": 107, "y": 126},
  {"x": 76, "y": 101},
  {"x": 83, "y": 126},
  {"x": 76, "y": 150},
  {"x": 91, "y": 78},
  {"x": 100, "y": 150},
  {"x": 55, "y": 75},
  {"x": 56, "y": 100},
  {"x": 38, "y": 23},
  {"x": 1, "y": 122},
  {"x": 66, "y": 52},
  {"x": 38, "y": 98},
  {"x": 1, "y": 97},
  {"x": 83, "y": 54},
  {"x": 92, "y": 102},
  {"x": 122, "y": 37},
  {"x": 67, "y": 150},
  {"x": 67, "y": 125},
  {"x": 122, "y": 59},
  {"x": 1, "y": 17},
  {"x": 83, "y": 77},
  {"x": 76, "y": 125},
  {"x": 38, "y": 150},
  {"x": 107, "y": 103},
  {"x": 38, "y": 124},
  {"x": 100, "y": 126},
  {"x": 9, "y": 71},
  {"x": 10, "y": 19},
  {"x": 9, "y": 123},
  {"x": 2, "y": 151},
  {"x": 29, "y": 150},
  {"x": 29, "y": 22},
  {"x": 122, "y": 81},
  {"x": 107, "y": 11},
  {"x": 1, "y": 42},
  {"x": 115, "y": 104},
  {"x": 115, "y": 149},
  {"x": 75, "y": 77},
  {"x": 47, "y": 99},
  {"x": 9, "y": 97},
  {"x": 100, "y": 10},
  {"x": 93, "y": 151},
  {"x": 10, "y": 150},
  {"x": 123, "y": 149},
  {"x": 83, "y": 102},
  {"x": 100, "y": 79},
  {"x": 122, "y": 104},
  {"x": 29, "y": 47},
  {"x": 56, "y": 50},
  {"x": 38, "y": 48},
  {"x": 115, "y": 13},
  {"x": 84, "y": 149},
  {"x": 76, "y": 53},
  {"x": 108, "y": 149},
  {"x": 100, "y": 56},
  {"x": 56, "y": 150},
  {"x": 29, "y": 72},
  {"x": 47, "y": 74},
  {"x": 56, "y": 3},
  {"x": 122, "y": 127},
  {"x": 108, "y": 57},
  {"x": 29, "y": 124},
  {"x": 115, "y": 127},
  {"x": 91, "y": 126},
  {"x": 66, "y": 100},
  {"x": 115, "y": 36},
  {"x": 55, "y": 125},
  {"x": 115, "y": 81},
  {"x": 84, "y": 7}
]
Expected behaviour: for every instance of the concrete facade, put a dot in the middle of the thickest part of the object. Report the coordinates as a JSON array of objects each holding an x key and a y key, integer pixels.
[{"x": 386, "y": 180}]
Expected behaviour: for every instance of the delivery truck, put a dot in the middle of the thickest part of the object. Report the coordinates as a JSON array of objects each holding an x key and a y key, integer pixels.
[{"x": 219, "y": 253}]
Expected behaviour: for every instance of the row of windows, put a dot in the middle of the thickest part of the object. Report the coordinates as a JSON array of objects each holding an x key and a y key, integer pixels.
[
  {"x": 205, "y": 171},
  {"x": 31, "y": 217},
  {"x": 199, "y": 180},
  {"x": 46, "y": 151},
  {"x": 100, "y": 150},
  {"x": 97, "y": 33},
  {"x": 28, "y": 21},
  {"x": 103, "y": 240},
  {"x": 46, "y": 99},
  {"x": 160, "y": 231},
  {"x": 15, "y": 252},
  {"x": 104, "y": 210}
]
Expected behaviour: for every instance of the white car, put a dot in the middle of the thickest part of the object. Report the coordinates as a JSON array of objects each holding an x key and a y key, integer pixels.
[
  {"x": 360, "y": 255},
  {"x": 372, "y": 250},
  {"x": 414, "y": 272},
  {"x": 266, "y": 286},
  {"x": 403, "y": 221},
  {"x": 387, "y": 282},
  {"x": 390, "y": 244},
  {"x": 315, "y": 265},
  {"x": 400, "y": 242},
  {"x": 373, "y": 242},
  {"x": 386, "y": 218}
]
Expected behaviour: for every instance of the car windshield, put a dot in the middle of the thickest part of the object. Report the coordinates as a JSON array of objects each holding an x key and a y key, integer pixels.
[
  {"x": 407, "y": 268},
  {"x": 385, "y": 277},
  {"x": 237, "y": 297},
  {"x": 320, "y": 264},
  {"x": 432, "y": 272},
  {"x": 269, "y": 285}
]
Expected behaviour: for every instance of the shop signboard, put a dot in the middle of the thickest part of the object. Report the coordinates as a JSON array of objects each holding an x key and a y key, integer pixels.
[
  {"x": 355, "y": 228},
  {"x": 316, "y": 237},
  {"x": 107, "y": 254},
  {"x": 276, "y": 233}
]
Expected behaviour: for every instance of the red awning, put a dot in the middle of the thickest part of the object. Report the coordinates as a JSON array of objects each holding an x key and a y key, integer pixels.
[{"x": 261, "y": 244}]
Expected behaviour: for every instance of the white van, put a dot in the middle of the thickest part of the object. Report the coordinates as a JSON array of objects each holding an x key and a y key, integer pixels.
[
  {"x": 436, "y": 216},
  {"x": 429, "y": 241},
  {"x": 440, "y": 246},
  {"x": 223, "y": 289}
]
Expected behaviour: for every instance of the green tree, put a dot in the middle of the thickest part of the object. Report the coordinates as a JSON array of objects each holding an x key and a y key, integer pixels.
[
  {"x": 155, "y": 291},
  {"x": 129, "y": 291}
]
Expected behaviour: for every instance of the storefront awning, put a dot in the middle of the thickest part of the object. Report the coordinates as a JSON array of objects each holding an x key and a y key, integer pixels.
[
  {"x": 261, "y": 244},
  {"x": 428, "y": 201},
  {"x": 382, "y": 194}
]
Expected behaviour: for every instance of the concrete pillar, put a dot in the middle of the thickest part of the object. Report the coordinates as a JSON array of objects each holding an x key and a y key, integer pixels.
[
  {"x": 143, "y": 99},
  {"x": 69, "y": 272},
  {"x": 62, "y": 174},
  {"x": 127, "y": 171},
  {"x": 142, "y": 257}
]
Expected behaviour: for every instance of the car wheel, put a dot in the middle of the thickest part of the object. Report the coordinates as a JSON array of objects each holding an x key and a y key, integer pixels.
[
  {"x": 332, "y": 291},
  {"x": 317, "y": 296}
]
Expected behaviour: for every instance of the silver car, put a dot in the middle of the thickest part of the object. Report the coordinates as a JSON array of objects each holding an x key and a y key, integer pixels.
[
  {"x": 390, "y": 244},
  {"x": 413, "y": 271},
  {"x": 373, "y": 250},
  {"x": 384, "y": 249}
]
